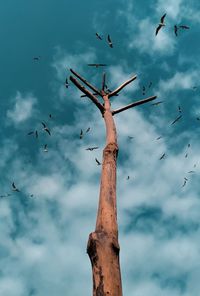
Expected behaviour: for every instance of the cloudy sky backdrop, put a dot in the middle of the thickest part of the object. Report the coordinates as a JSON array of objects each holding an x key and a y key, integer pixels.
[{"x": 44, "y": 228}]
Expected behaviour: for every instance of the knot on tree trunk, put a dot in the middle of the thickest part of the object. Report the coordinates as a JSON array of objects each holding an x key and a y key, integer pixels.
[
  {"x": 103, "y": 250},
  {"x": 111, "y": 150}
]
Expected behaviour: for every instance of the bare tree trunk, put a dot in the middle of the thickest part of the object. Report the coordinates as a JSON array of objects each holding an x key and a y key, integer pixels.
[{"x": 103, "y": 246}]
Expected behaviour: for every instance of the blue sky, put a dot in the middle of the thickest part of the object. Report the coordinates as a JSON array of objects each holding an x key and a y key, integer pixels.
[{"x": 43, "y": 237}]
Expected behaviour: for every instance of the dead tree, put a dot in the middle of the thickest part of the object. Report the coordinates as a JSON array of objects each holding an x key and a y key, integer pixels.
[{"x": 103, "y": 247}]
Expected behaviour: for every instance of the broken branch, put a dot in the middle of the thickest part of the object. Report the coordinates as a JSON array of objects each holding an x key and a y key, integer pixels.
[
  {"x": 134, "y": 104},
  {"x": 114, "y": 92},
  {"x": 103, "y": 81},
  {"x": 88, "y": 94}
]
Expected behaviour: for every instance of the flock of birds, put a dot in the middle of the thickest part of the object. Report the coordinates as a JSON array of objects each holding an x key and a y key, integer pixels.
[
  {"x": 46, "y": 129},
  {"x": 176, "y": 27}
]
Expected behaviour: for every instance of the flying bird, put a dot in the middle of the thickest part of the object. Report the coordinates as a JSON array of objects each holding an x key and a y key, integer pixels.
[
  {"x": 184, "y": 27},
  {"x": 178, "y": 118},
  {"x": 185, "y": 181},
  {"x": 98, "y": 36},
  {"x": 45, "y": 128},
  {"x": 45, "y": 148},
  {"x": 98, "y": 162},
  {"x": 161, "y": 24},
  {"x": 92, "y": 148},
  {"x": 191, "y": 172},
  {"x": 162, "y": 156},
  {"x": 36, "y": 58},
  {"x": 33, "y": 132},
  {"x": 30, "y": 133},
  {"x": 110, "y": 41},
  {"x": 82, "y": 96},
  {"x": 160, "y": 137},
  {"x": 96, "y": 65},
  {"x": 14, "y": 188},
  {"x": 150, "y": 84},
  {"x": 81, "y": 134},
  {"x": 176, "y": 30},
  {"x": 66, "y": 83},
  {"x": 157, "y": 103}
]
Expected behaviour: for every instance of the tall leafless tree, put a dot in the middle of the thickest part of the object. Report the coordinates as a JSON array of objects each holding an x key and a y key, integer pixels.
[{"x": 103, "y": 247}]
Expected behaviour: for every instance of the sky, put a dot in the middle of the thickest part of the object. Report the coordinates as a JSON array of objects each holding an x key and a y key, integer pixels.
[{"x": 44, "y": 228}]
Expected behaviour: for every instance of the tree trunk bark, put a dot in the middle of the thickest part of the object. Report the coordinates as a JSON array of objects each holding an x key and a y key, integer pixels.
[{"x": 103, "y": 247}]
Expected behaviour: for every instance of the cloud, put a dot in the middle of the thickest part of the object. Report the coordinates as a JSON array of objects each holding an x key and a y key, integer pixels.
[
  {"x": 146, "y": 41},
  {"x": 170, "y": 7},
  {"x": 23, "y": 109}
]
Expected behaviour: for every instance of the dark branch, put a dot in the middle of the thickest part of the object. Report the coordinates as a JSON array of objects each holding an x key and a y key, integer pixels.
[
  {"x": 88, "y": 94},
  {"x": 87, "y": 83},
  {"x": 114, "y": 92},
  {"x": 134, "y": 104},
  {"x": 103, "y": 81}
]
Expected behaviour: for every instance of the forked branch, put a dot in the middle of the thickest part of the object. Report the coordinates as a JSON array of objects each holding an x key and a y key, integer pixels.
[
  {"x": 86, "y": 82},
  {"x": 114, "y": 92},
  {"x": 134, "y": 104},
  {"x": 88, "y": 94}
]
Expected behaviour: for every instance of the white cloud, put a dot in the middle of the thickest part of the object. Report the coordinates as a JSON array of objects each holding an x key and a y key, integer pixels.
[
  {"x": 23, "y": 108},
  {"x": 172, "y": 8},
  {"x": 146, "y": 41}
]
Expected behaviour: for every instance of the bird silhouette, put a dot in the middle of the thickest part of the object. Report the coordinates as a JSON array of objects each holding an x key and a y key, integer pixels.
[
  {"x": 14, "y": 188},
  {"x": 36, "y": 58},
  {"x": 45, "y": 128},
  {"x": 157, "y": 103},
  {"x": 185, "y": 181},
  {"x": 177, "y": 119},
  {"x": 161, "y": 24},
  {"x": 162, "y": 156},
  {"x": 160, "y": 137},
  {"x": 98, "y": 36},
  {"x": 98, "y": 162},
  {"x": 45, "y": 148},
  {"x": 97, "y": 65},
  {"x": 110, "y": 41},
  {"x": 150, "y": 84},
  {"x": 184, "y": 27},
  {"x": 30, "y": 133},
  {"x": 81, "y": 134},
  {"x": 176, "y": 30},
  {"x": 91, "y": 148},
  {"x": 66, "y": 83}
]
